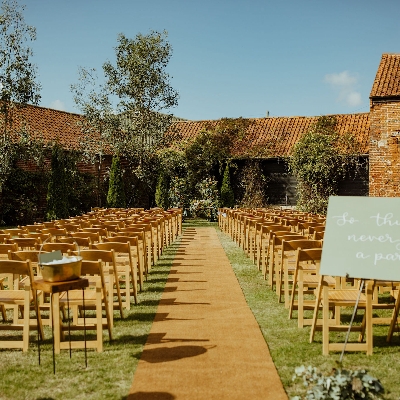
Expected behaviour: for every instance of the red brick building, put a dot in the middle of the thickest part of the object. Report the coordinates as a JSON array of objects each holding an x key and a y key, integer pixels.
[{"x": 384, "y": 144}]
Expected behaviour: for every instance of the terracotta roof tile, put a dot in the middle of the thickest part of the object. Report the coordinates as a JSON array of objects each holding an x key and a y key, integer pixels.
[
  {"x": 265, "y": 137},
  {"x": 275, "y": 137},
  {"x": 49, "y": 125},
  {"x": 387, "y": 80}
]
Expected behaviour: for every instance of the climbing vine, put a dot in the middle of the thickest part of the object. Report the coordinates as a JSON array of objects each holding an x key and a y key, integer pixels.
[{"x": 319, "y": 161}]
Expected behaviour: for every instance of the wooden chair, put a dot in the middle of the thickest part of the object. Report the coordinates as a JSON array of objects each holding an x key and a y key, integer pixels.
[
  {"x": 305, "y": 281},
  {"x": 146, "y": 238},
  {"x": 19, "y": 299},
  {"x": 127, "y": 271},
  {"x": 336, "y": 298},
  {"x": 108, "y": 259},
  {"x": 137, "y": 242},
  {"x": 97, "y": 296},
  {"x": 288, "y": 244}
]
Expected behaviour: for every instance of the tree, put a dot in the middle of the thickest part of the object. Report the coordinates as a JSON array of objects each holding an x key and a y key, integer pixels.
[
  {"x": 162, "y": 191},
  {"x": 100, "y": 122},
  {"x": 227, "y": 196},
  {"x": 116, "y": 191},
  {"x": 18, "y": 85},
  {"x": 57, "y": 191},
  {"x": 141, "y": 85}
]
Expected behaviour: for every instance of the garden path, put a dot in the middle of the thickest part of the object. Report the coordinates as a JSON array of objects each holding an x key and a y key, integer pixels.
[{"x": 205, "y": 342}]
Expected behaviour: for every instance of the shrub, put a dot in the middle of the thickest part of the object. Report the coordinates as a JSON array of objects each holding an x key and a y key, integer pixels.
[{"x": 341, "y": 384}]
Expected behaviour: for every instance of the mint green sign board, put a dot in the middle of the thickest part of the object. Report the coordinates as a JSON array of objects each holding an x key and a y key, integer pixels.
[{"x": 362, "y": 238}]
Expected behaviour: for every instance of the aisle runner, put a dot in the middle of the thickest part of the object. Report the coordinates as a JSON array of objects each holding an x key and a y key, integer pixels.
[{"x": 205, "y": 342}]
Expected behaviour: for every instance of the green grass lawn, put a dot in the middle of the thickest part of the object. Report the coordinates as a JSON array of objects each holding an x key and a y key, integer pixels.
[{"x": 109, "y": 374}]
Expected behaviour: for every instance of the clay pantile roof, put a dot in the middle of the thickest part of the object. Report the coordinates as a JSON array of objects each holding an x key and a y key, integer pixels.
[
  {"x": 48, "y": 124},
  {"x": 387, "y": 79},
  {"x": 264, "y": 138},
  {"x": 275, "y": 137}
]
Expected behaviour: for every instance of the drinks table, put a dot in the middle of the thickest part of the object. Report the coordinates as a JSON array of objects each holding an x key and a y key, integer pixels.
[{"x": 54, "y": 289}]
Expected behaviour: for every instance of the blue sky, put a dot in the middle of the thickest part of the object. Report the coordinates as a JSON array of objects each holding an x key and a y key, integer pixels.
[{"x": 231, "y": 58}]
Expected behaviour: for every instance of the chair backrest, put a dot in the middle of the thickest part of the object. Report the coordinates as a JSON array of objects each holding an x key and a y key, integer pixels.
[
  {"x": 101, "y": 231},
  {"x": 94, "y": 255},
  {"x": 290, "y": 245},
  {"x": 69, "y": 227},
  {"x": 4, "y": 237},
  {"x": 15, "y": 231},
  {"x": 34, "y": 227},
  {"x": 55, "y": 231},
  {"x": 24, "y": 255},
  {"x": 80, "y": 241},
  {"x": 5, "y": 248},
  {"x": 24, "y": 243},
  {"x": 118, "y": 247},
  {"x": 132, "y": 240},
  {"x": 17, "y": 268},
  {"x": 93, "y": 236},
  {"x": 65, "y": 248}
]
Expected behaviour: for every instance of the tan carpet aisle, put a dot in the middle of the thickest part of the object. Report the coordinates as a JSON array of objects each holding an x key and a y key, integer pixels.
[{"x": 205, "y": 342}]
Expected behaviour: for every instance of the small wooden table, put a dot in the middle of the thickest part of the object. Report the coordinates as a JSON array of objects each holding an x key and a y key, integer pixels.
[{"x": 54, "y": 289}]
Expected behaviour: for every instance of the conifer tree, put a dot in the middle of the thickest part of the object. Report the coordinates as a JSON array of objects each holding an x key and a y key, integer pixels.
[
  {"x": 116, "y": 190},
  {"x": 162, "y": 192},
  {"x": 227, "y": 195},
  {"x": 57, "y": 192}
]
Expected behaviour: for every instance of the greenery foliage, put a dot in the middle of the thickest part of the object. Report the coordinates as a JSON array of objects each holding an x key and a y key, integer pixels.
[
  {"x": 178, "y": 193},
  {"x": 23, "y": 197},
  {"x": 116, "y": 189},
  {"x": 207, "y": 206},
  {"x": 254, "y": 185},
  {"x": 320, "y": 159},
  {"x": 342, "y": 384},
  {"x": 227, "y": 195}
]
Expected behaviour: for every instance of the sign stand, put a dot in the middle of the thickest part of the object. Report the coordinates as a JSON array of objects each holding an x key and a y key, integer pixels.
[{"x": 352, "y": 320}]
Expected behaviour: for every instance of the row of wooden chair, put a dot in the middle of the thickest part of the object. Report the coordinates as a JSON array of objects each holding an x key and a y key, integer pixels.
[
  {"x": 287, "y": 248},
  {"x": 116, "y": 258}
]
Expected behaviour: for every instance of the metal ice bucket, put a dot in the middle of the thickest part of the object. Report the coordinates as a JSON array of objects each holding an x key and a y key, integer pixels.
[{"x": 57, "y": 268}]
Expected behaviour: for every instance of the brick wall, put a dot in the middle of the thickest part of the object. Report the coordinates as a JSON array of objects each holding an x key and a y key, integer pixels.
[{"x": 384, "y": 150}]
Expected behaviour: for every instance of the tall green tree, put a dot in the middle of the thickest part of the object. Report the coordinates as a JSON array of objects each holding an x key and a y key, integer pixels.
[
  {"x": 100, "y": 123},
  {"x": 142, "y": 86},
  {"x": 227, "y": 195},
  {"x": 57, "y": 191},
  {"x": 116, "y": 190},
  {"x": 130, "y": 108},
  {"x": 18, "y": 82}
]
